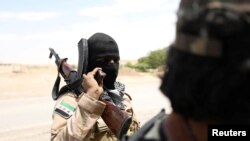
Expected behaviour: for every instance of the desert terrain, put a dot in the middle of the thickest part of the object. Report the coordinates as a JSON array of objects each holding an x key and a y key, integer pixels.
[{"x": 27, "y": 105}]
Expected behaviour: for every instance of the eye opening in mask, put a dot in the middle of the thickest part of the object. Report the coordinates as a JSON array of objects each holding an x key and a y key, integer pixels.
[{"x": 108, "y": 59}]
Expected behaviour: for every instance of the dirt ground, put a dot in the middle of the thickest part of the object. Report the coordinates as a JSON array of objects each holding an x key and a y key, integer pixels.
[
  {"x": 20, "y": 81},
  {"x": 26, "y": 81}
]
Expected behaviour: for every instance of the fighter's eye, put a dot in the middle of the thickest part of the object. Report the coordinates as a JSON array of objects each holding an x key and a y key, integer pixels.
[
  {"x": 116, "y": 60},
  {"x": 108, "y": 59}
]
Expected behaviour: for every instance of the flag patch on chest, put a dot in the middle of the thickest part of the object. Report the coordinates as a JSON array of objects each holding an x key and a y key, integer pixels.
[{"x": 65, "y": 109}]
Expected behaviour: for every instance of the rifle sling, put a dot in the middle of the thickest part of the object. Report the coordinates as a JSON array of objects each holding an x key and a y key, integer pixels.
[
  {"x": 72, "y": 87},
  {"x": 66, "y": 88},
  {"x": 56, "y": 87}
]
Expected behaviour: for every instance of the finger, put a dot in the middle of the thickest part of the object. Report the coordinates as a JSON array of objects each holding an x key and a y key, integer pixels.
[
  {"x": 95, "y": 71},
  {"x": 99, "y": 77},
  {"x": 101, "y": 82}
]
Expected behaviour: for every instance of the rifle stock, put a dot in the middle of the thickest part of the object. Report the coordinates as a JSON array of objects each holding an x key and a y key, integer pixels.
[{"x": 118, "y": 121}]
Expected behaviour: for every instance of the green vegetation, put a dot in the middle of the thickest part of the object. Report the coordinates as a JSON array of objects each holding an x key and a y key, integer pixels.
[{"x": 153, "y": 60}]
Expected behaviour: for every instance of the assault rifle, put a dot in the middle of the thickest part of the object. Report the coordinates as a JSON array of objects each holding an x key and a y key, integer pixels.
[{"x": 118, "y": 121}]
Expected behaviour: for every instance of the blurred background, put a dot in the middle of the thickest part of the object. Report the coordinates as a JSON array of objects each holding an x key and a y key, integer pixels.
[{"x": 143, "y": 30}]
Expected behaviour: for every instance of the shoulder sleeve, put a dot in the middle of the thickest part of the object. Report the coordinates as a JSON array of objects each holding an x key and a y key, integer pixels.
[
  {"x": 79, "y": 121},
  {"x": 64, "y": 108}
]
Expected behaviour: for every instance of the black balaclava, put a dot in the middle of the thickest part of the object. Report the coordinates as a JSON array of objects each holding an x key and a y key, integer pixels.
[
  {"x": 208, "y": 64},
  {"x": 103, "y": 46}
]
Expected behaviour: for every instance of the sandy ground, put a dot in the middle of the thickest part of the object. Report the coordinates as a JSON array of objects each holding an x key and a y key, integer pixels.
[
  {"x": 20, "y": 81},
  {"x": 26, "y": 81},
  {"x": 34, "y": 81}
]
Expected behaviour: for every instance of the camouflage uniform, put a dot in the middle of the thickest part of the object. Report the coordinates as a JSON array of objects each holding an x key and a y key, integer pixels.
[
  {"x": 78, "y": 118},
  {"x": 81, "y": 120}
]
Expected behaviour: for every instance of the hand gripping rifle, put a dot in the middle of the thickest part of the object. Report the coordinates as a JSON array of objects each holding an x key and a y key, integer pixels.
[{"x": 117, "y": 120}]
